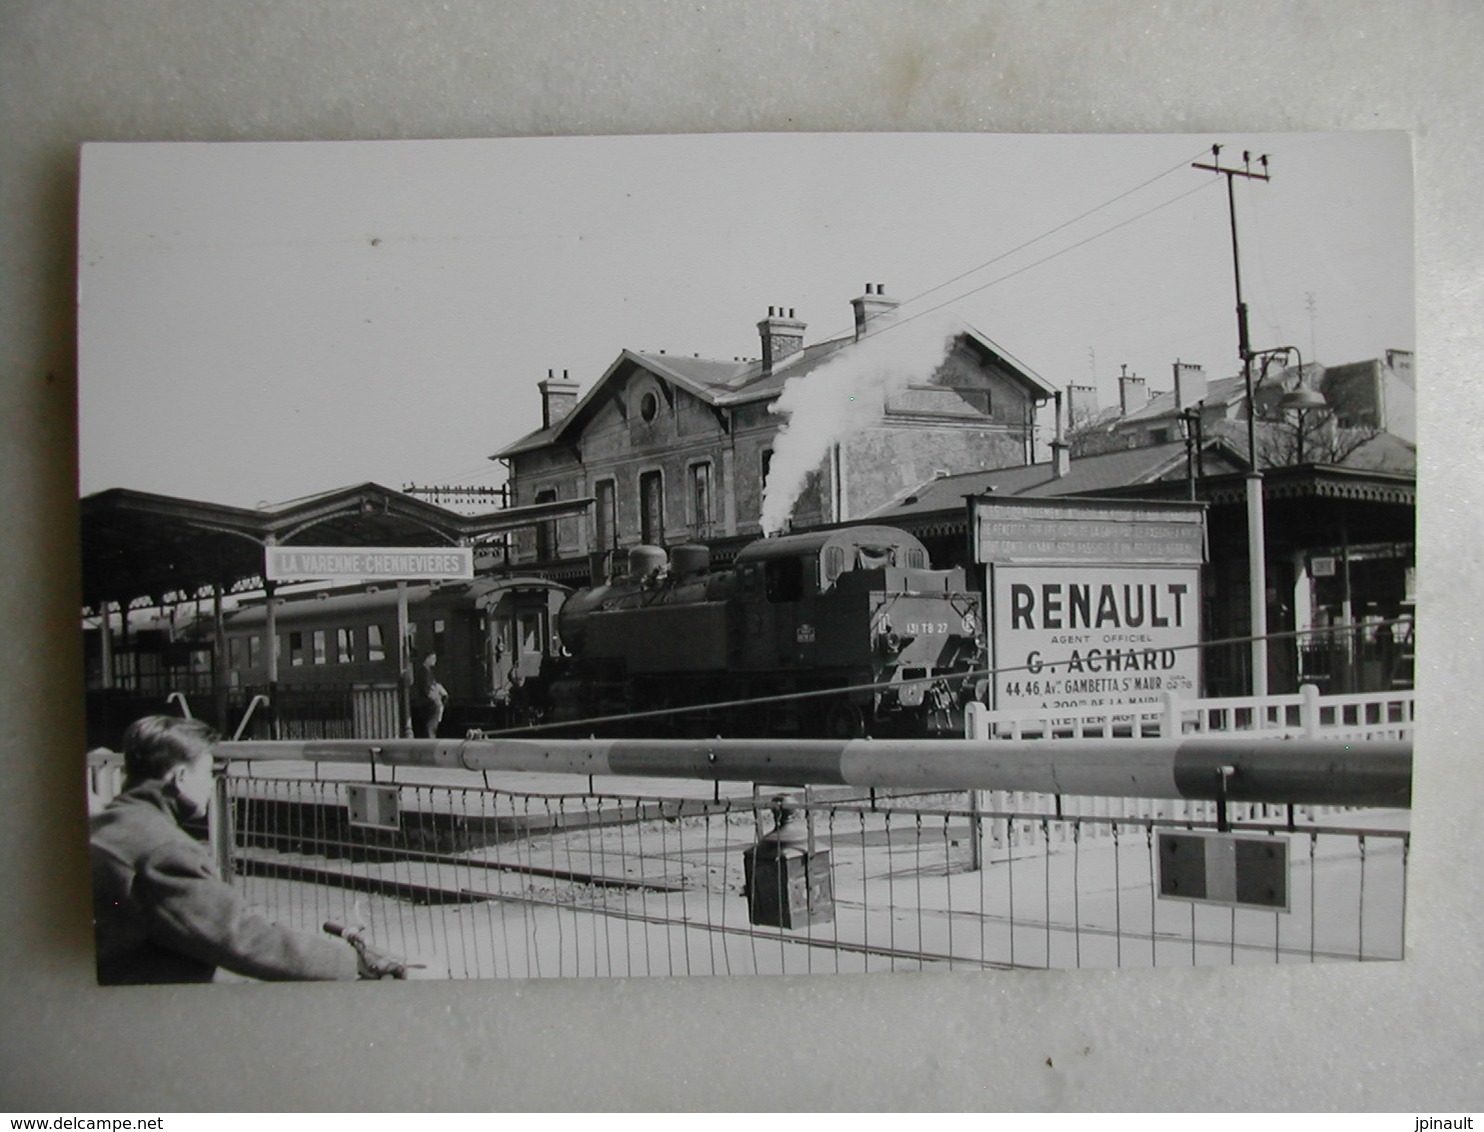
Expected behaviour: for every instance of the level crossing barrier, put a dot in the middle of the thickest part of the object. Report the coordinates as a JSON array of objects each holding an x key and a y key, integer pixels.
[{"x": 535, "y": 858}]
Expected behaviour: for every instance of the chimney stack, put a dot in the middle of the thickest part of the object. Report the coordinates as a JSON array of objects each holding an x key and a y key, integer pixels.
[
  {"x": 1061, "y": 451},
  {"x": 1132, "y": 394},
  {"x": 1190, "y": 385},
  {"x": 871, "y": 306},
  {"x": 1082, "y": 404},
  {"x": 782, "y": 336},
  {"x": 558, "y": 397}
]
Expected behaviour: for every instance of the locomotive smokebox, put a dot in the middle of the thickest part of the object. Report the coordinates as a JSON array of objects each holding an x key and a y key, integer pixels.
[{"x": 788, "y": 882}]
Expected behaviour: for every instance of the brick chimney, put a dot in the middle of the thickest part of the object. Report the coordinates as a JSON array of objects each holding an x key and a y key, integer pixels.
[
  {"x": 1082, "y": 404},
  {"x": 1190, "y": 385},
  {"x": 782, "y": 336},
  {"x": 871, "y": 306},
  {"x": 558, "y": 397},
  {"x": 1061, "y": 451},
  {"x": 1133, "y": 395}
]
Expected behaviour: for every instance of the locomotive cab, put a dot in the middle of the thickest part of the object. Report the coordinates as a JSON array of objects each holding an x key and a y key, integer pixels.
[{"x": 859, "y": 606}]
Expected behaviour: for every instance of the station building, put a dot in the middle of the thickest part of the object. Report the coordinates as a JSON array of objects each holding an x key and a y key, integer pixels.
[{"x": 677, "y": 449}]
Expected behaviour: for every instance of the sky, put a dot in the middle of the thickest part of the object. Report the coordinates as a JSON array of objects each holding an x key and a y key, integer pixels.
[{"x": 263, "y": 321}]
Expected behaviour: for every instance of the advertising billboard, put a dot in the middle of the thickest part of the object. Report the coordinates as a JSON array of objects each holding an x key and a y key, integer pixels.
[
  {"x": 1092, "y": 602},
  {"x": 1083, "y": 636}
]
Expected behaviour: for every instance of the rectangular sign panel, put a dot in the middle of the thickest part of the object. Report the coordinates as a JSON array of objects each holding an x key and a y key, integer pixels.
[
  {"x": 1224, "y": 868},
  {"x": 1085, "y": 636},
  {"x": 368, "y": 563},
  {"x": 1081, "y": 531}
]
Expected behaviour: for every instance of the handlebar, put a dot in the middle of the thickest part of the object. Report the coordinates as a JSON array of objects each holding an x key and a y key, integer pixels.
[{"x": 374, "y": 963}]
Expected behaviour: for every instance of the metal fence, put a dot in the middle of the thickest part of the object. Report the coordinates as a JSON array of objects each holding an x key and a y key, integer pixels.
[
  {"x": 1362, "y": 716},
  {"x": 481, "y": 882}
]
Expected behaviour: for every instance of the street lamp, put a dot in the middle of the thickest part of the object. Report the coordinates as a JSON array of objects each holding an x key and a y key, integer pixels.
[{"x": 1303, "y": 401}]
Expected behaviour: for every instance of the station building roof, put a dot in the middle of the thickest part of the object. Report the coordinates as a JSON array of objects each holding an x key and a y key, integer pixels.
[
  {"x": 727, "y": 384},
  {"x": 140, "y": 546}
]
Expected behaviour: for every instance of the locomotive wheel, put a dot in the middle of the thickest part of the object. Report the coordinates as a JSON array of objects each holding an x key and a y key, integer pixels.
[{"x": 844, "y": 721}]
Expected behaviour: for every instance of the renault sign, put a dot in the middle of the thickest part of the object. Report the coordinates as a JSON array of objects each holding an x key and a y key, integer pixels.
[{"x": 1091, "y": 602}]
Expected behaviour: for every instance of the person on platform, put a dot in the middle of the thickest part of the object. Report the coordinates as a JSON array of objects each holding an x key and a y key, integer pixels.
[
  {"x": 161, "y": 912},
  {"x": 522, "y": 712},
  {"x": 429, "y": 698}
]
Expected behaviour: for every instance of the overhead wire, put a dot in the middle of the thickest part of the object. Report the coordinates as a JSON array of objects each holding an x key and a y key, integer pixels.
[
  {"x": 1179, "y": 165},
  {"x": 1037, "y": 263},
  {"x": 1184, "y": 163},
  {"x": 1048, "y": 233}
]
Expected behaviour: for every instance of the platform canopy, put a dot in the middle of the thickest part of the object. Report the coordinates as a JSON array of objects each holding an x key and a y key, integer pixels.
[{"x": 159, "y": 548}]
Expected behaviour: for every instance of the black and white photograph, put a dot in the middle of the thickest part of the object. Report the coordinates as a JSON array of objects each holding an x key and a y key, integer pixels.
[{"x": 748, "y": 554}]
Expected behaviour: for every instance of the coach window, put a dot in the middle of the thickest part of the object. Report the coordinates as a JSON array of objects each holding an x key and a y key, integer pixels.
[
  {"x": 296, "y": 649},
  {"x": 234, "y": 652},
  {"x": 345, "y": 646},
  {"x": 375, "y": 643},
  {"x": 530, "y": 631},
  {"x": 834, "y": 563},
  {"x": 438, "y": 635},
  {"x": 319, "y": 646},
  {"x": 254, "y": 651}
]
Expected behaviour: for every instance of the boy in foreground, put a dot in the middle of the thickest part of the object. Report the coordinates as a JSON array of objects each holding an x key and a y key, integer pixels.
[{"x": 161, "y": 914}]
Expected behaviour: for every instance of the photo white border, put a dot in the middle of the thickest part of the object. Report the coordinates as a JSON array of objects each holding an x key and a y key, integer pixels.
[{"x": 1396, "y": 1036}]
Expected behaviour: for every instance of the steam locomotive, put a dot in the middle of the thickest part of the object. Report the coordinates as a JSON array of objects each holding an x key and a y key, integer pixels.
[
  {"x": 838, "y": 633},
  {"x": 794, "y": 622}
]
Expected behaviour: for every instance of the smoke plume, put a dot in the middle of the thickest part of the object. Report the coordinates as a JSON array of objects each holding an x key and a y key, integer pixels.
[{"x": 842, "y": 396}]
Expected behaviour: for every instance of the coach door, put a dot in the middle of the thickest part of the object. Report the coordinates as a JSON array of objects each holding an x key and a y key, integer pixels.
[{"x": 500, "y": 646}]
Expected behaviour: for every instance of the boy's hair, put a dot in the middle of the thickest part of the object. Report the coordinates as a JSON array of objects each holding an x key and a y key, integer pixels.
[{"x": 157, "y": 744}]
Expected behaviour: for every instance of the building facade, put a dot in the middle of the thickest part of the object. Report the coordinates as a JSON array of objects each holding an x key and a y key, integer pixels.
[{"x": 676, "y": 449}]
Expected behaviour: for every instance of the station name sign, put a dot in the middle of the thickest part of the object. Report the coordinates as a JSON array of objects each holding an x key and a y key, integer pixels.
[{"x": 368, "y": 563}]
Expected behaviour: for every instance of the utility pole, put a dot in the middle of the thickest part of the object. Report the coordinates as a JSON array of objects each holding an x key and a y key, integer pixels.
[{"x": 1256, "y": 541}]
